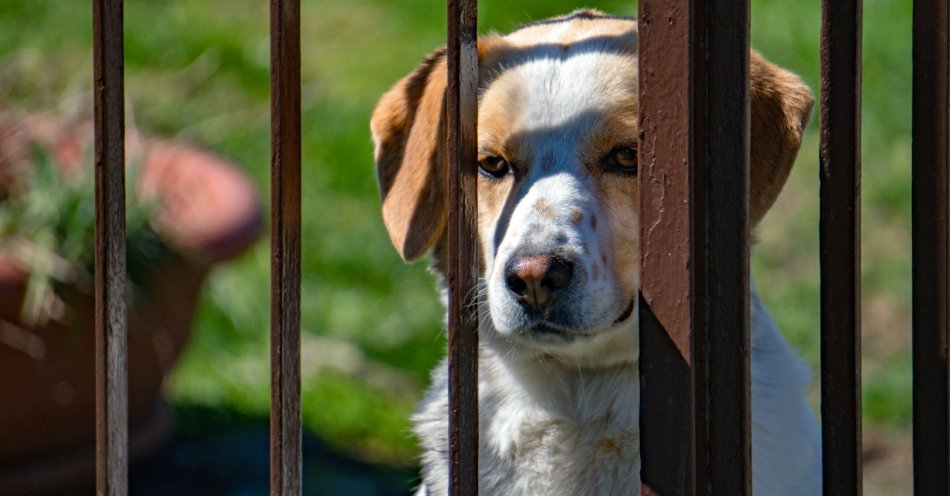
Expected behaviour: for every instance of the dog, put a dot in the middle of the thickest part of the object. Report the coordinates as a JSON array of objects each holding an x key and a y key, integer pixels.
[{"x": 559, "y": 259}]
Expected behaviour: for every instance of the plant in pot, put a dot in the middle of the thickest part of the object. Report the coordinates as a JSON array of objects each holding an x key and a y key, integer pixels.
[{"x": 187, "y": 210}]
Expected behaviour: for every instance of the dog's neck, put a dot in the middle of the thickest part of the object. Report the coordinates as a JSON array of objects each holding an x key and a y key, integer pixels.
[
  {"x": 569, "y": 390},
  {"x": 607, "y": 348},
  {"x": 548, "y": 420}
]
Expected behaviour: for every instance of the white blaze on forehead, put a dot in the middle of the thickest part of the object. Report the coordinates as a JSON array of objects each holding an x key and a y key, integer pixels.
[
  {"x": 555, "y": 91},
  {"x": 549, "y": 200}
]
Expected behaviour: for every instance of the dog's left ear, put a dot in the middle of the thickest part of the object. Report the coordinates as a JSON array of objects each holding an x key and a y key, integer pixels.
[
  {"x": 408, "y": 128},
  {"x": 781, "y": 106}
]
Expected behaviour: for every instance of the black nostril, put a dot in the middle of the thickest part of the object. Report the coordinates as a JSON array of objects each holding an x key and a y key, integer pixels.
[
  {"x": 515, "y": 284},
  {"x": 536, "y": 280},
  {"x": 558, "y": 275}
]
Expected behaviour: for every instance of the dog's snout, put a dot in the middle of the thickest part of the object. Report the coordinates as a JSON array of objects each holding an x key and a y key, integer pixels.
[{"x": 537, "y": 280}]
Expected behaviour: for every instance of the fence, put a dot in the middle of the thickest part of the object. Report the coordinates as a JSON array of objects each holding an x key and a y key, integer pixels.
[{"x": 695, "y": 380}]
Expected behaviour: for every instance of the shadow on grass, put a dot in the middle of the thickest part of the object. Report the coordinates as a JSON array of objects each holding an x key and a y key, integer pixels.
[{"x": 222, "y": 452}]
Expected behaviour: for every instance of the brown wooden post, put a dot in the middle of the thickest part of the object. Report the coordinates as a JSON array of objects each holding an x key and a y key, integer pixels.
[
  {"x": 285, "y": 419},
  {"x": 694, "y": 301},
  {"x": 111, "y": 320},
  {"x": 930, "y": 245},
  {"x": 461, "y": 107}
]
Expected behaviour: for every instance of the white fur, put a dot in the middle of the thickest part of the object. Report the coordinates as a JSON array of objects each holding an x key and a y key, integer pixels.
[{"x": 545, "y": 424}]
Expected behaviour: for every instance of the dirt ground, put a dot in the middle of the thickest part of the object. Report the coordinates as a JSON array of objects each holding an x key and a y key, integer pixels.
[{"x": 888, "y": 462}]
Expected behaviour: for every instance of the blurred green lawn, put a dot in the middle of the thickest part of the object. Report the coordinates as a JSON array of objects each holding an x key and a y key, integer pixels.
[{"x": 198, "y": 70}]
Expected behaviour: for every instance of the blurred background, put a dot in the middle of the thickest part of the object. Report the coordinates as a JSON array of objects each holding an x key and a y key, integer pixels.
[{"x": 197, "y": 72}]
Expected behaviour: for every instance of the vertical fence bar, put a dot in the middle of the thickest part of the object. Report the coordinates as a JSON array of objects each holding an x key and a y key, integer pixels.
[
  {"x": 666, "y": 406},
  {"x": 285, "y": 420},
  {"x": 111, "y": 343},
  {"x": 931, "y": 284},
  {"x": 694, "y": 303},
  {"x": 721, "y": 304},
  {"x": 840, "y": 245},
  {"x": 461, "y": 108}
]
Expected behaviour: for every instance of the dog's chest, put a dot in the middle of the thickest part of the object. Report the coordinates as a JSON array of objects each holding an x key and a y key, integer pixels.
[{"x": 577, "y": 436}]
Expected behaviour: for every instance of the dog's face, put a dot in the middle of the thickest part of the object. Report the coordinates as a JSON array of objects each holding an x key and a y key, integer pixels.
[{"x": 557, "y": 183}]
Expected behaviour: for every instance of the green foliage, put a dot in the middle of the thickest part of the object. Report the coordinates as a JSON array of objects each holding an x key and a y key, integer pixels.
[
  {"x": 47, "y": 221},
  {"x": 198, "y": 69}
]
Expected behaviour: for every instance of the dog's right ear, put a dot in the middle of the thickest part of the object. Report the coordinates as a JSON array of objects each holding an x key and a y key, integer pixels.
[{"x": 408, "y": 130}]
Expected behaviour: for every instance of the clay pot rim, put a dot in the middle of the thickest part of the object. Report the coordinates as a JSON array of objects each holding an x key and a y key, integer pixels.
[
  {"x": 239, "y": 215},
  {"x": 171, "y": 172}
]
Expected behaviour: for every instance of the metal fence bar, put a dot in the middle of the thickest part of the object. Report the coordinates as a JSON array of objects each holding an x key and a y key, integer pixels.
[
  {"x": 694, "y": 303},
  {"x": 666, "y": 406},
  {"x": 721, "y": 324},
  {"x": 461, "y": 108},
  {"x": 111, "y": 344},
  {"x": 840, "y": 245},
  {"x": 285, "y": 420},
  {"x": 931, "y": 284}
]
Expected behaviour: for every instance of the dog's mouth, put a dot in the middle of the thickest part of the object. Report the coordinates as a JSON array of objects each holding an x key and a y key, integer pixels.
[
  {"x": 548, "y": 330},
  {"x": 545, "y": 329},
  {"x": 626, "y": 313}
]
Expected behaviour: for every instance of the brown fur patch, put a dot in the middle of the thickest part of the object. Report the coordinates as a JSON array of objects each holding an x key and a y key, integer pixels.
[
  {"x": 619, "y": 200},
  {"x": 608, "y": 446},
  {"x": 544, "y": 209},
  {"x": 577, "y": 217},
  {"x": 406, "y": 126},
  {"x": 584, "y": 25},
  {"x": 496, "y": 122},
  {"x": 781, "y": 106}
]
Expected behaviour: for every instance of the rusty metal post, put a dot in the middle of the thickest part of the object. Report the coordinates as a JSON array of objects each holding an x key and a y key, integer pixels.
[
  {"x": 666, "y": 406},
  {"x": 694, "y": 301},
  {"x": 720, "y": 341},
  {"x": 840, "y": 242},
  {"x": 285, "y": 419},
  {"x": 461, "y": 107},
  {"x": 931, "y": 281},
  {"x": 111, "y": 320}
]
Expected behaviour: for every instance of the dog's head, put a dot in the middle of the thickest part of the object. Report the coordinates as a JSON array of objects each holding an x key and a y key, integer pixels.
[{"x": 557, "y": 183}]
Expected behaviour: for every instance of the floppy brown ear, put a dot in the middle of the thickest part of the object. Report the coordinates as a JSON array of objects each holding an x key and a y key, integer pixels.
[
  {"x": 407, "y": 128},
  {"x": 781, "y": 105}
]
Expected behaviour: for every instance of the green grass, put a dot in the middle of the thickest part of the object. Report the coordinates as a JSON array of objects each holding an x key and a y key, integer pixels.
[
  {"x": 198, "y": 70},
  {"x": 786, "y": 261}
]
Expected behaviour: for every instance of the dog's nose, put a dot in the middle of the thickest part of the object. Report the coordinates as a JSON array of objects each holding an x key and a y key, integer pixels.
[{"x": 537, "y": 280}]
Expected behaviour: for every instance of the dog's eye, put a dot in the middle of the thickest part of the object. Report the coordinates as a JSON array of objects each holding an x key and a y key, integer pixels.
[
  {"x": 623, "y": 159},
  {"x": 494, "y": 166}
]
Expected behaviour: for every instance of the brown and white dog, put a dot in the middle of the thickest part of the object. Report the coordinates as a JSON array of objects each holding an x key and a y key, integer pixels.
[{"x": 557, "y": 144}]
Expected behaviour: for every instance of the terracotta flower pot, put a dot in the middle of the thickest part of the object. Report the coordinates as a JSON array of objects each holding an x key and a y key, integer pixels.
[{"x": 208, "y": 211}]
